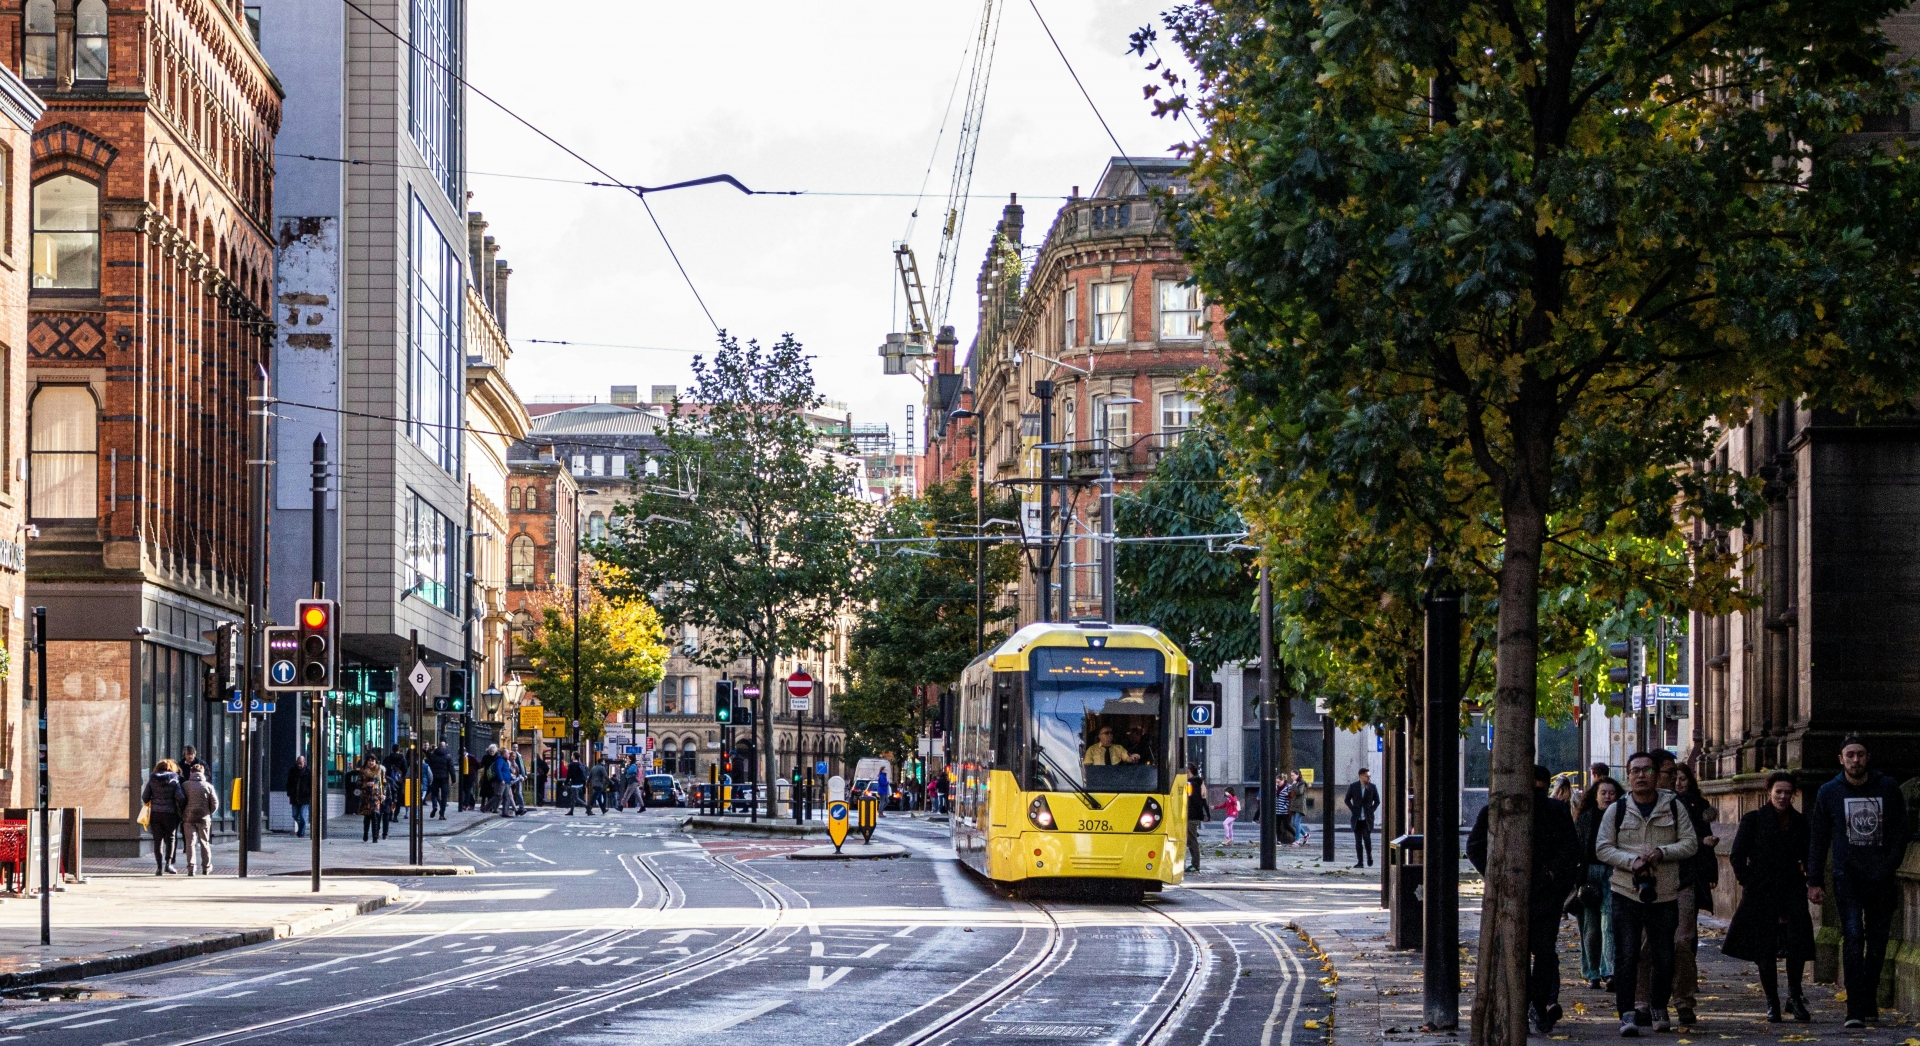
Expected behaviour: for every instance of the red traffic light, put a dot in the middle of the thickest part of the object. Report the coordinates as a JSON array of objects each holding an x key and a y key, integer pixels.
[{"x": 313, "y": 616}]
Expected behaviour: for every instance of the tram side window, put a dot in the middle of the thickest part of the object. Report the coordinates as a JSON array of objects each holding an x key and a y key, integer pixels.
[{"x": 1006, "y": 723}]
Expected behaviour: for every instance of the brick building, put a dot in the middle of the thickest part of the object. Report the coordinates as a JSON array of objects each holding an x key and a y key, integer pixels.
[
  {"x": 20, "y": 110},
  {"x": 543, "y": 519},
  {"x": 152, "y": 192}
]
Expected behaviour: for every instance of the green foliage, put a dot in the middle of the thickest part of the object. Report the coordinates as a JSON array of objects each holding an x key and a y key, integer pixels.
[
  {"x": 623, "y": 655},
  {"x": 1204, "y": 600},
  {"x": 917, "y": 625},
  {"x": 751, "y": 532}
]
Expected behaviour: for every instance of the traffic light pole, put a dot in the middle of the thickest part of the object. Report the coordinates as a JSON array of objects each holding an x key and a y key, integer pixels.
[
  {"x": 317, "y": 790},
  {"x": 43, "y": 788},
  {"x": 416, "y": 828}
]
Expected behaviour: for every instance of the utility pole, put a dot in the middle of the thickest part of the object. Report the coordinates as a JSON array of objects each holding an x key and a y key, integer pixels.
[
  {"x": 260, "y": 462},
  {"x": 1440, "y": 932},
  {"x": 43, "y": 788},
  {"x": 1043, "y": 599},
  {"x": 416, "y": 830},
  {"x": 317, "y": 791},
  {"x": 1268, "y": 714},
  {"x": 1107, "y": 599},
  {"x": 1326, "y": 789}
]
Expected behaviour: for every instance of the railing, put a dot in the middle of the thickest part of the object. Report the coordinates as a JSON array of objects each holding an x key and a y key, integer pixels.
[{"x": 1108, "y": 218}]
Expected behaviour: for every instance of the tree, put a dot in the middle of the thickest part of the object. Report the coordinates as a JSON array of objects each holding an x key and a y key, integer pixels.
[
  {"x": 751, "y": 534},
  {"x": 917, "y": 628},
  {"x": 1201, "y": 594},
  {"x": 623, "y": 656},
  {"x": 1519, "y": 260}
]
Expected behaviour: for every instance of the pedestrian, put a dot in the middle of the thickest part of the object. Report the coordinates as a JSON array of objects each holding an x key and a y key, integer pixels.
[
  {"x": 373, "y": 798},
  {"x": 1594, "y": 899},
  {"x": 517, "y": 793},
  {"x": 882, "y": 788},
  {"x": 1772, "y": 921},
  {"x": 1554, "y": 866},
  {"x": 503, "y": 783},
  {"x": 1299, "y": 809},
  {"x": 542, "y": 771},
  {"x": 1563, "y": 790},
  {"x": 1198, "y": 813},
  {"x": 1231, "y": 807},
  {"x": 300, "y": 794},
  {"x": 199, "y": 805},
  {"x": 1362, "y": 800},
  {"x": 597, "y": 780},
  {"x": 1283, "y": 808},
  {"x": 1603, "y": 772},
  {"x": 630, "y": 787},
  {"x": 163, "y": 798},
  {"x": 441, "y": 765},
  {"x": 190, "y": 758},
  {"x": 576, "y": 782},
  {"x": 1860, "y": 816},
  {"x": 1645, "y": 838},
  {"x": 1698, "y": 877},
  {"x": 396, "y": 766}
]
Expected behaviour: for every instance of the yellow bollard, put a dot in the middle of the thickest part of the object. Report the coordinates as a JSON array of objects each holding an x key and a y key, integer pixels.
[
  {"x": 408, "y": 801},
  {"x": 236, "y": 795}
]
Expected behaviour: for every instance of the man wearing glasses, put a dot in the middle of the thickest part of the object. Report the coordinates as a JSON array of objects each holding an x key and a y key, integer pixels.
[{"x": 1645, "y": 838}]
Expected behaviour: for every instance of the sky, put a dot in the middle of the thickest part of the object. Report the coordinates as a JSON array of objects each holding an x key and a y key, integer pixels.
[{"x": 847, "y": 97}]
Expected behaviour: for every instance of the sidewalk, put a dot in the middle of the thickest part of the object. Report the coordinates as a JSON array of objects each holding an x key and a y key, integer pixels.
[
  {"x": 1378, "y": 991},
  {"x": 286, "y": 853}
]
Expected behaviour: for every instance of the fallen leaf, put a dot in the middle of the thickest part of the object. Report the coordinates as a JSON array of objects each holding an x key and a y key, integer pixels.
[
  {"x": 1840, "y": 996},
  {"x": 1316, "y": 1024},
  {"x": 1580, "y": 1008}
]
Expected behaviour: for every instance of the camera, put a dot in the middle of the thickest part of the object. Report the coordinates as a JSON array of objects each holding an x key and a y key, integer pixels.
[{"x": 1646, "y": 886}]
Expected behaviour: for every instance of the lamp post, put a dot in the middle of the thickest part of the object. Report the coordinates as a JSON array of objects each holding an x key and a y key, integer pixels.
[
  {"x": 1107, "y": 597},
  {"x": 579, "y": 531},
  {"x": 979, "y": 529}
]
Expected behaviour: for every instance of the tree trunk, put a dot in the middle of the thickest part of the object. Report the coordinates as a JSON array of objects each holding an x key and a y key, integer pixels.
[
  {"x": 1500, "y": 1001},
  {"x": 766, "y": 732}
]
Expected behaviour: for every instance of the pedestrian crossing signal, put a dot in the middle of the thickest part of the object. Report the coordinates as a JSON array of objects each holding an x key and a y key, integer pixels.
[{"x": 723, "y": 694}]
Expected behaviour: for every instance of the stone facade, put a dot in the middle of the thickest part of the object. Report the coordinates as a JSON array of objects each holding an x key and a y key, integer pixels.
[
  {"x": 495, "y": 419},
  {"x": 150, "y": 316},
  {"x": 20, "y": 111}
]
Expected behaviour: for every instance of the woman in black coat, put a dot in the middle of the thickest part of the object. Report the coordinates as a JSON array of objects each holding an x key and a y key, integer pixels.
[{"x": 1772, "y": 922}]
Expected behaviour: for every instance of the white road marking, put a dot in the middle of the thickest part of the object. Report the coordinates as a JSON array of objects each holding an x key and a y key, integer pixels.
[
  {"x": 682, "y": 936},
  {"x": 819, "y": 980},
  {"x": 169, "y": 1006},
  {"x": 390, "y": 958},
  {"x": 88, "y": 1024},
  {"x": 296, "y": 980},
  {"x": 757, "y": 1011},
  {"x": 344, "y": 969},
  {"x": 236, "y": 995}
]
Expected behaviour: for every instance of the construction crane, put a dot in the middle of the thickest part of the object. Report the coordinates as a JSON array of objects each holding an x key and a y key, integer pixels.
[{"x": 924, "y": 317}]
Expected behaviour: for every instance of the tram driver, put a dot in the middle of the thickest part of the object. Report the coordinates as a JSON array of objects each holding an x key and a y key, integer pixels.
[{"x": 1105, "y": 753}]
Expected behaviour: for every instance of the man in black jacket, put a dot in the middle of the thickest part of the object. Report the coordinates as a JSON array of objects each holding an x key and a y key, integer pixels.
[
  {"x": 440, "y": 764},
  {"x": 1556, "y": 861},
  {"x": 300, "y": 793},
  {"x": 1198, "y": 812},
  {"x": 1362, "y": 800},
  {"x": 1862, "y": 817}
]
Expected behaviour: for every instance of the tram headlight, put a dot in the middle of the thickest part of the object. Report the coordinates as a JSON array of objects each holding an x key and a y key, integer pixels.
[
  {"x": 1150, "y": 817},
  {"x": 1040, "y": 814}
]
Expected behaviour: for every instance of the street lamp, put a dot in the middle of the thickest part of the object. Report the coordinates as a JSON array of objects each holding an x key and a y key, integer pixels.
[
  {"x": 1107, "y": 601},
  {"x": 490, "y": 701},
  {"x": 979, "y": 529},
  {"x": 579, "y": 529}
]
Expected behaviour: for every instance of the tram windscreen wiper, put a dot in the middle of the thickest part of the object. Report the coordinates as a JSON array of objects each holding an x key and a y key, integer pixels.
[{"x": 1080, "y": 789}]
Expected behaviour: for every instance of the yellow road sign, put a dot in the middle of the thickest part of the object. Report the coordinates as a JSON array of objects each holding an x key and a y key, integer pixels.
[
  {"x": 554, "y": 726},
  {"x": 532, "y": 717},
  {"x": 837, "y": 822}
]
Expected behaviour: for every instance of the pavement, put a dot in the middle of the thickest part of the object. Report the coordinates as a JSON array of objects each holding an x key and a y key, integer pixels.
[
  {"x": 1377, "y": 994},
  {"x": 123, "y": 917}
]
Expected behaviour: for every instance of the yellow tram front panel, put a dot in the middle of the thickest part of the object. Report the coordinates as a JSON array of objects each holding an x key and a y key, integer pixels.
[{"x": 1097, "y": 705}]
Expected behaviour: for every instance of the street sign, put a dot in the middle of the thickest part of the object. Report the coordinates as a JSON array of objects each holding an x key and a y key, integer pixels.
[
  {"x": 420, "y": 678},
  {"x": 820, "y": 767},
  {"x": 649, "y": 742},
  {"x": 800, "y": 704},
  {"x": 749, "y": 691},
  {"x": 282, "y": 645},
  {"x": 531, "y": 717},
  {"x": 1200, "y": 716},
  {"x": 799, "y": 684},
  {"x": 634, "y": 749},
  {"x": 553, "y": 725},
  {"x": 233, "y": 704},
  {"x": 837, "y": 823}
]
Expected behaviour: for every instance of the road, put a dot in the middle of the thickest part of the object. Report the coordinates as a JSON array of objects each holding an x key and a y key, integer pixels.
[{"x": 623, "y": 928}]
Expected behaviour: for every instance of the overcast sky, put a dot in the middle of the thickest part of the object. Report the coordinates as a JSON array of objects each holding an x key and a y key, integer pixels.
[{"x": 840, "y": 97}]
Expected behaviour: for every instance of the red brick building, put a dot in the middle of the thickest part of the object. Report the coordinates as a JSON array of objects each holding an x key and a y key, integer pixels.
[
  {"x": 543, "y": 520},
  {"x": 151, "y": 307},
  {"x": 1106, "y": 313}
]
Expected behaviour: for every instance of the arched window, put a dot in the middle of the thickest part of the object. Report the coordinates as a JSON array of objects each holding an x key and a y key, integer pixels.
[
  {"x": 65, "y": 458},
  {"x": 689, "y": 756},
  {"x": 90, "y": 40},
  {"x": 66, "y": 234},
  {"x": 43, "y": 49},
  {"x": 513, "y": 498},
  {"x": 522, "y": 556},
  {"x": 533, "y": 498}
]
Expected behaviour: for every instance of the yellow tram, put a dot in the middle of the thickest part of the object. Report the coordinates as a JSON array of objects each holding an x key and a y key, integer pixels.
[{"x": 1067, "y": 757}]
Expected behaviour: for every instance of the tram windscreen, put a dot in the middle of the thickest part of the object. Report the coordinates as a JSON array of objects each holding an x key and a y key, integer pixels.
[{"x": 1098, "y": 720}]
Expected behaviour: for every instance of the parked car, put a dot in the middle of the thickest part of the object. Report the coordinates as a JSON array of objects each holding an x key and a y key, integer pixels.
[{"x": 663, "y": 790}]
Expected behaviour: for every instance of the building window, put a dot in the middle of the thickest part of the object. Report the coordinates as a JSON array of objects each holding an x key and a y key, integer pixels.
[
  {"x": 533, "y": 498},
  {"x": 64, "y": 454},
  {"x": 688, "y": 756},
  {"x": 1182, "y": 312},
  {"x": 596, "y": 527},
  {"x": 6, "y": 199},
  {"x": 1069, "y": 327},
  {"x": 690, "y": 695},
  {"x": 1177, "y": 414},
  {"x": 522, "y": 561},
  {"x": 513, "y": 498},
  {"x": 90, "y": 41},
  {"x": 618, "y": 468},
  {"x": 66, "y": 234},
  {"x": 433, "y": 117},
  {"x": 1112, "y": 422},
  {"x": 1110, "y": 302},
  {"x": 430, "y": 546},
  {"x": 579, "y": 464},
  {"x": 43, "y": 49},
  {"x": 523, "y": 628},
  {"x": 670, "y": 696},
  {"x": 433, "y": 410}
]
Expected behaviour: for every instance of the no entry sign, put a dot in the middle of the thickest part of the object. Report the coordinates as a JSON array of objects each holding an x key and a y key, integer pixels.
[{"x": 800, "y": 684}]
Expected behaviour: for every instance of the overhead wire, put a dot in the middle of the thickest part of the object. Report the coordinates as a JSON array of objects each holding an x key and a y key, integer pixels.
[{"x": 563, "y": 147}]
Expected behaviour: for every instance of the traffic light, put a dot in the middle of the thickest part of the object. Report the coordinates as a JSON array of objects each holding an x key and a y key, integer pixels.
[
  {"x": 723, "y": 695},
  {"x": 1634, "y": 653},
  {"x": 454, "y": 701},
  {"x": 318, "y": 621},
  {"x": 743, "y": 714},
  {"x": 223, "y": 666}
]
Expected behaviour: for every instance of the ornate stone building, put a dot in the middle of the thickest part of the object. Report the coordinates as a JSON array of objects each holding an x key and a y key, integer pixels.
[{"x": 152, "y": 268}]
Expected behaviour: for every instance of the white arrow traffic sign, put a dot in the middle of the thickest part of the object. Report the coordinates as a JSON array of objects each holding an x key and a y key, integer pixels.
[{"x": 420, "y": 678}]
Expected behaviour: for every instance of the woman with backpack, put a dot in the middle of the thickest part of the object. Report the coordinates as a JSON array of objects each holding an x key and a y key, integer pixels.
[
  {"x": 164, "y": 799},
  {"x": 1591, "y": 904}
]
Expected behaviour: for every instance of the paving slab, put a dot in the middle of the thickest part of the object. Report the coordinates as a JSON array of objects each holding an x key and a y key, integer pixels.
[{"x": 849, "y": 852}]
